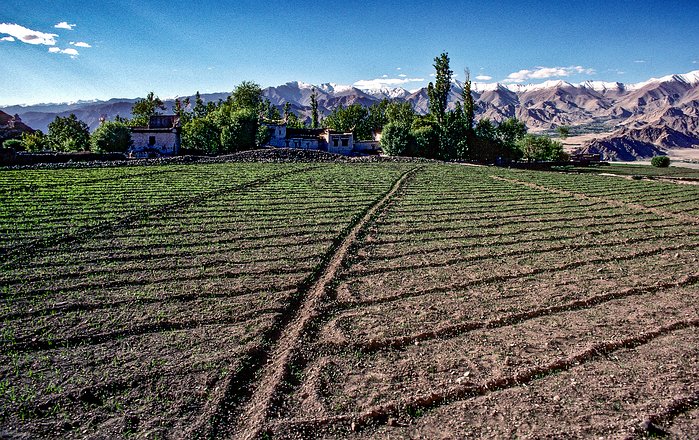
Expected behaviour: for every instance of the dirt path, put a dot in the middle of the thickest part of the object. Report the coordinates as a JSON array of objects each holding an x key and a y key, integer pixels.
[
  {"x": 612, "y": 202},
  {"x": 253, "y": 416}
]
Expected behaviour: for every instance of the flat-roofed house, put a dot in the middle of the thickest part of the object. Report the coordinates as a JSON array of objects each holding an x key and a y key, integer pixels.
[{"x": 160, "y": 138}]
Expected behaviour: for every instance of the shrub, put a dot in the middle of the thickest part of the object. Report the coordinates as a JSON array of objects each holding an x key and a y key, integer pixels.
[
  {"x": 111, "y": 137},
  {"x": 660, "y": 161},
  {"x": 12, "y": 144}
]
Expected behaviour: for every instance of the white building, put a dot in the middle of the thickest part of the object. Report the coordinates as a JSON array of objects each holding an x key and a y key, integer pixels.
[
  {"x": 160, "y": 138},
  {"x": 319, "y": 139}
]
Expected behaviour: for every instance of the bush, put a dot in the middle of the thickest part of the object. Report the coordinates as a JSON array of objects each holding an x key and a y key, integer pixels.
[
  {"x": 660, "y": 161},
  {"x": 12, "y": 144},
  {"x": 35, "y": 142},
  {"x": 395, "y": 139},
  {"x": 112, "y": 137}
]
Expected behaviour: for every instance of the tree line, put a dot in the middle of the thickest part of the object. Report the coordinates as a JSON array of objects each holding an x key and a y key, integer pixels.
[{"x": 237, "y": 124}]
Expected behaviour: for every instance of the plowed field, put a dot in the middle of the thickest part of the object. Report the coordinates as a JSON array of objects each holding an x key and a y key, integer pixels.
[{"x": 388, "y": 300}]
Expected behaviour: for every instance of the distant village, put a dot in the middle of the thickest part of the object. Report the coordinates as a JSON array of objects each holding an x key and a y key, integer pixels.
[{"x": 162, "y": 137}]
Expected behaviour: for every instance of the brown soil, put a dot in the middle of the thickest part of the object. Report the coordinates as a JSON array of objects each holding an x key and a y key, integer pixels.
[{"x": 442, "y": 302}]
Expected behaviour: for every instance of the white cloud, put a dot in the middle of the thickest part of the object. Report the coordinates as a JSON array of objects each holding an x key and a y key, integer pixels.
[
  {"x": 384, "y": 76},
  {"x": 403, "y": 75},
  {"x": 639, "y": 61},
  {"x": 27, "y": 35},
  {"x": 399, "y": 68},
  {"x": 79, "y": 44},
  {"x": 695, "y": 62},
  {"x": 541, "y": 72},
  {"x": 7, "y": 39},
  {"x": 70, "y": 51},
  {"x": 65, "y": 25},
  {"x": 484, "y": 77},
  {"x": 384, "y": 82}
]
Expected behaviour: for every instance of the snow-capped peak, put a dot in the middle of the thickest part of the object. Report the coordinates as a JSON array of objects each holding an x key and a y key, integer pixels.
[
  {"x": 690, "y": 78},
  {"x": 299, "y": 85},
  {"x": 602, "y": 86},
  {"x": 387, "y": 92},
  {"x": 335, "y": 88}
]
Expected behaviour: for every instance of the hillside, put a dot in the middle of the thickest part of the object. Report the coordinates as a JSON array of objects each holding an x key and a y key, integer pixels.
[{"x": 10, "y": 129}]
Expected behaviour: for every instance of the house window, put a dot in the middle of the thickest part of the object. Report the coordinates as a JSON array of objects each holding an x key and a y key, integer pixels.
[
  {"x": 345, "y": 142},
  {"x": 151, "y": 141},
  {"x": 335, "y": 144}
]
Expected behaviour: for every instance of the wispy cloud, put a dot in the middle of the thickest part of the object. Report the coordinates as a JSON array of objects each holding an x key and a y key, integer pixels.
[
  {"x": 26, "y": 35},
  {"x": 695, "y": 62},
  {"x": 79, "y": 44},
  {"x": 384, "y": 82},
  {"x": 70, "y": 51},
  {"x": 484, "y": 77},
  {"x": 639, "y": 61},
  {"x": 65, "y": 25},
  {"x": 403, "y": 75},
  {"x": 541, "y": 72}
]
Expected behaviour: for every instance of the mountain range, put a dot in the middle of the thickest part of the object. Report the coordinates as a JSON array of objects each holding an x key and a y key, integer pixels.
[{"x": 660, "y": 113}]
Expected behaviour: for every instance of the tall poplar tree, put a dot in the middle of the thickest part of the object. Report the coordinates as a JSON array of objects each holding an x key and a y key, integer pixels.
[
  {"x": 314, "y": 109},
  {"x": 469, "y": 108},
  {"x": 438, "y": 92}
]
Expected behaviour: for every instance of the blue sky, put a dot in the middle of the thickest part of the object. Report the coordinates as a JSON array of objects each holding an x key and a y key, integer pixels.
[{"x": 178, "y": 47}]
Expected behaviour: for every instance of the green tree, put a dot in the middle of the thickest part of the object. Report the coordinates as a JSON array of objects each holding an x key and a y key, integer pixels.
[
  {"x": 287, "y": 110},
  {"x": 35, "y": 142},
  {"x": 111, "y": 137},
  {"x": 510, "y": 131},
  {"x": 239, "y": 129},
  {"x": 268, "y": 111},
  {"x": 469, "y": 107},
  {"x": 353, "y": 118},
  {"x": 262, "y": 136},
  {"x": 377, "y": 118},
  {"x": 395, "y": 139},
  {"x": 314, "y": 109},
  {"x": 487, "y": 147},
  {"x": 247, "y": 95},
  {"x": 181, "y": 110},
  {"x": 199, "y": 110},
  {"x": 438, "y": 92},
  {"x": 201, "y": 134},
  {"x": 660, "y": 161},
  {"x": 424, "y": 138},
  {"x": 540, "y": 148},
  {"x": 69, "y": 134},
  {"x": 400, "y": 112},
  {"x": 563, "y": 131},
  {"x": 453, "y": 135},
  {"x": 143, "y": 109}
]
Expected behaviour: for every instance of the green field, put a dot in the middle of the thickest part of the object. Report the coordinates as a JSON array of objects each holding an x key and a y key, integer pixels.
[{"x": 356, "y": 300}]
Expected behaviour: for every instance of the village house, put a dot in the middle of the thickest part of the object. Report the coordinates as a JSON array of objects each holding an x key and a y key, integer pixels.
[
  {"x": 160, "y": 138},
  {"x": 369, "y": 146},
  {"x": 322, "y": 139}
]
